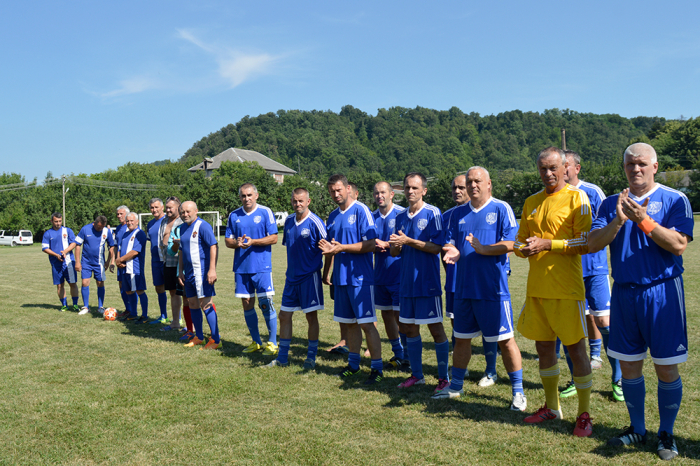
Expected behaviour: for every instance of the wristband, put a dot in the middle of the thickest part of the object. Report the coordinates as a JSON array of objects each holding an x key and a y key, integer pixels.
[
  {"x": 647, "y": 225},
  {"x": 557, "y": 245}
]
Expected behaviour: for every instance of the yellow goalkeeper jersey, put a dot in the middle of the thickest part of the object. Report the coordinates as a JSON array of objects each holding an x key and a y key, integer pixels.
[{"x": 565, "y": 218}]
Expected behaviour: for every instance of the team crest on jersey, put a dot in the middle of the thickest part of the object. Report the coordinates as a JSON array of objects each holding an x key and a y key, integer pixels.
[
  {"x": 257, "y": 219},
  {"x": 391, "y": 223},
  {"x": 305, "y": 232},
  {"x": 491, "y": 218},
  {"x": 65, "y": 235},
  {"x": 132, "y": 238},
  {"x": 104, "y": 236},
  {"x": 194, "y": 234},
  {"x": 654, "y": 207},
  {"x": 422, "y": 223},
  {"x": 351, "y": 219}
]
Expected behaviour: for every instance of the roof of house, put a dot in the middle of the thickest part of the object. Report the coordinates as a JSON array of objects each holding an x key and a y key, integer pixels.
[{"x": 243, "y": 155}]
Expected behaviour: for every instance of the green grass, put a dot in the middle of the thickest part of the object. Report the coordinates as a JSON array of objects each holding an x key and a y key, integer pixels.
[{"x": 78, "y": 390}]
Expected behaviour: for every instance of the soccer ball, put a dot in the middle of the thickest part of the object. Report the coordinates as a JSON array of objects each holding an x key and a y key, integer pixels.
[{"x": 110, "y": 314}]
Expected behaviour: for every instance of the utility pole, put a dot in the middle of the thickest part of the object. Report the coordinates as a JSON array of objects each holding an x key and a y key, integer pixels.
[
  {"x": 64, "y": 200},
  {"x": 563, "y": 139}
]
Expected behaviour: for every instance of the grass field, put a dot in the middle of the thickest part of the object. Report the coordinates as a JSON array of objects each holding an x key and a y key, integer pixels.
[{"x": 79, "y": 390}]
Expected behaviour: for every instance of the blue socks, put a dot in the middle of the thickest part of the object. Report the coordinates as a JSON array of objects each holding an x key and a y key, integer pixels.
[
  {"x": 213, "y": 321},
  {"x": 270, "y": 316},
  {"x": 144, "y": 304},
  {"x": 397, "y": 348},
  {"x": 558, "y": 348},
  {"x": 415, "y": 355},
  {"x": 442, "y": 352},
  {"x": 197, "y": 321},
  {"x": 75, "y": 300},
  {"x": 635, "y": 391},
  {"x": 125, "y": 298},
  {"x": 100, "y": 296},
  {"x": 133, "y": 304},
  {"x": 377, "y": 365},
  {"x": 85, "y": 291},
  {"x": 569, "y": 363},
  {"x": 64, "y": 302},
  {"x": 491, "y": 355},
  {"x": 354, "y": 361},
  {"x": 163, "y": 304},
  {"x": 283, "y": 355},
  {"x": 251, "y": 320},
  {"x": 670, "y": 396},
  {"x": 312, "y": 351},
  {"x": 404, "y": 344},
  {"x": 457, "y": 378},
  {"x": 516, "y": 381},
  {"x": 614, "y": 363},
  {"x": 594, "y": 346}
]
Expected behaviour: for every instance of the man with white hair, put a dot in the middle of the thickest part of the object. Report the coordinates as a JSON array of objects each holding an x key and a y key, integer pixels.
[
  {"x": 648, "y": 227},
  {"x": 122, "y": 212},
  {"x": 132, "y": 260}
]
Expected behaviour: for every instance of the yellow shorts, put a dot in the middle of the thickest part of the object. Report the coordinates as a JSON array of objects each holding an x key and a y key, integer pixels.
[{"x": 546, "y": 319}]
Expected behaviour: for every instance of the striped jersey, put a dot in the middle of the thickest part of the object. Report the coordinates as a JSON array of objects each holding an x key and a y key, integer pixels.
[
  {"x": 594, "y": 263},
  {"x": 353, "y": 225},
  {"x": 93, "y": 243},
  {"x": 256, "y": 224},
  {"x": 57, "y": 241},
  {"x": 134, "y": 240},
  {"x": 153, "y": 235},
  {"x": 196, "y": 240}
]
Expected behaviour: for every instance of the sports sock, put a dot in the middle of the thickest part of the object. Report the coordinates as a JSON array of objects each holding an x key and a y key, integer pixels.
[
  {"x": 491, "y": 355},
  {"x": 125, "y": 299},
  {"x": 442, "y": 352},
  {"x": 312, "y": 349},
  {"x": 635, "y": 392},
  {"x": 163, "y": 304},
  {"x": 614, "y": 363},
  {"x": 186, "y": 313},
  {"x": 197, "y": 321},
  {"x": 251, "y": 320},
  {"x": 75, "y": 300},
  {"x": 354, "y": 361},
  {"x": 376, "y": 365},
  {"x": 550, "y": 382},
  {"x": 213, "y": 321},
  {"x": 268, "y": 311},
  {"x": 143, "y": 298},
  {"x": 64, "y": 302},
  {"x": 85, "y": 291},
  {"x": 397, "y": 348},
  {"x": 670, "y": 396},
  {"x": 404, "y": 343},
  {"x": 283, "y": 355},
  {"x": 516, "y": 381},
  {"x": 133, "y": 304},
  {"x": 415, "y": 355},
  {"x": 594, "y": 346},
  {"x": 569, "y": 363},
  {"x": 100, "y": 296},
  {"x": 558, "y": 348},
  {"x": 583, "y": 389},
  {"x": 457, "y": 378}
]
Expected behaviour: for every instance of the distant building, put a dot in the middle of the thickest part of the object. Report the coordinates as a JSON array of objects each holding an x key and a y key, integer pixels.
[
  {"x": 677, "y": 179},
  {"x": 276, "y": 169}
]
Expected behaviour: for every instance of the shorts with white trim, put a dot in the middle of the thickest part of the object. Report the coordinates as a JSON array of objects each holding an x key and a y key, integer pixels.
[
  {"x": 198, "y": 287},
  {"x": 386, "y": 297},
  {"x": 306, "y": 296},
  {"x": 354, "y": 304},
  {"x": 250, "y": 284},
  {"x": 158, "y": 271},
  {"x": 89, "y": 270},
  {"x": 543, "y": 319},
  {"x": 64, "y": 272},
  {"x": 652, "y": 317},
  {"x": 474, "y": 317},
  {"x": 133, "y": 282},
  {"x": 450, "y": 304},
  {"x": 421, "y": 310},
  {"x": 597, "y": 295}
]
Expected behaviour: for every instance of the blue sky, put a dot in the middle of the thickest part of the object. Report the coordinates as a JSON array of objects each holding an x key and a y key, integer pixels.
[{"x": 87, "y": 86}]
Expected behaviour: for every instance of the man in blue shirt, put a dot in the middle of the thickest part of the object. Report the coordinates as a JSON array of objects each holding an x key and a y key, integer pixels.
[
  {"x": 58, "y": 243},
  {"x": 480, "y": 235},
  {"x": 351, "y": 231},
  {"x": 132, "y": 260},
  {"x": 157, "y": 258},
  {"x": 252, "y": 230},
  {"x": 648, "y": 226},
  {"x": 122, "y": 212},
  {"x": 419, "y": 239},
  {"x": 302, "y": 288},
  {"x": 91, "y": 241}
]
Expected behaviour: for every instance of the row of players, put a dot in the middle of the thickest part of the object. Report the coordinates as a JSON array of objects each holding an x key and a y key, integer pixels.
[{"x": 647, "y": 225}]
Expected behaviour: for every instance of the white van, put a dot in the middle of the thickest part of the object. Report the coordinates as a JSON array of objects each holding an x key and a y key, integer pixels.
[{"x": 14, "y": 238}]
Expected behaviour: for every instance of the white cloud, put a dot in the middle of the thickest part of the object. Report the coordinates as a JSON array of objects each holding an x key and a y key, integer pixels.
[{"x": 131, "y": 86}]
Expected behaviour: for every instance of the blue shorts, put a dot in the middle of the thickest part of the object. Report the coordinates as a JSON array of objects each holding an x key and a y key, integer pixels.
[
  {"x": 158, "y": 270},
  {"x": 64, "y": 272},
  {"x": 198, "y": 287},
  {"x": 597, "y": 295},
  {"x": 133, "y": 282},
  {"x": 248, "y": 284},
  {"x": 421, "y": 310},
  {"x": 650, "y": 317},
  {"x": 89, "y": 270},
  {"x": 474, "y": 317},
  {"x": 450, "y": 304},
  {"x": 307, "y": 296},
  {"x": 354, "y": 304},
  {"x": 386, "y": 297}
]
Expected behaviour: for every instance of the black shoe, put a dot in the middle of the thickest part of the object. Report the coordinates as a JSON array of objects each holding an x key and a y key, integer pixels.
[
  {"x": 628, "y": 437},
  {"x": 393, "y": 364},
  {"x": 346, "y": 372},
  {"x": 666, "y": 448},
  {"x": 374, "y": 377},
  {"x": 405, "y": 366}
]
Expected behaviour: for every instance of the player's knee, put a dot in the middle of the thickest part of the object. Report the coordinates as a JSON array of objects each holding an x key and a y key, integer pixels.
[
  {"x": 265, "y": 305},
  {"x": 604, "y": 330}
]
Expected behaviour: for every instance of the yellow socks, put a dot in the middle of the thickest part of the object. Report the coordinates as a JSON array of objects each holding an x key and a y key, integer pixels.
[
  {"x": 583, "y": 388},
  {"x": 550, "y": 381}
]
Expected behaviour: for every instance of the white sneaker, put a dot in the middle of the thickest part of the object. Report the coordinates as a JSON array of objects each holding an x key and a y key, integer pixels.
[
  {"x": 101, "y": 311},
  {"x": 519, "y": 402},
  {"x": 83, "y": 311},
  {"x": 275, "y": 363},
  {"x": 488, "y": 380},
  {"x": 447, "y": 393},
  {"x": 596, "y": 362}
]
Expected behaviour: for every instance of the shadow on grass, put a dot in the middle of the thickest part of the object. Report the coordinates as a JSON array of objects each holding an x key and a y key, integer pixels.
[{"x": 56, "y": 307}]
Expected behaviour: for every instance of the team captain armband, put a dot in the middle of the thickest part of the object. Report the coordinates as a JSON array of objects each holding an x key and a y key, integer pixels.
[{"x": 647, "y": 225}]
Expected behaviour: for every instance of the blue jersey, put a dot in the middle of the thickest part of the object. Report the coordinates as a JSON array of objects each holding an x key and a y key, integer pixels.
[
  {"x": 153, "y": 235},
  {"x": 635, "y": 258},
  {"x": 304, "y": 257},
  {"x": 57, "y": 241},
  {"x": 596, "y": 263},
  {"x": 257, "y": 224},
  {"x": 450, "y": 276},
  {"x": 119, "y": 235},
  {"x": 479, "y": 276},
  {"x": 386, "y": 268},
  {"x": 196, "y": 240},
  {"x": 353, "y": 225},
  {"x": 93, "y": 243},
  {"x": 134, "y": 240},
  {"x": 420, "y": 271}
]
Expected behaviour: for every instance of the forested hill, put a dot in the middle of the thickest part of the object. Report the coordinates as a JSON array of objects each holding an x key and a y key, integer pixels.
[{"x": 398, "y": 140}]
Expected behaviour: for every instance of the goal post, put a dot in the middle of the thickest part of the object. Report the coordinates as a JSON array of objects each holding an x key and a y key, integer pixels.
[{"x": 212, "y": 217}]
